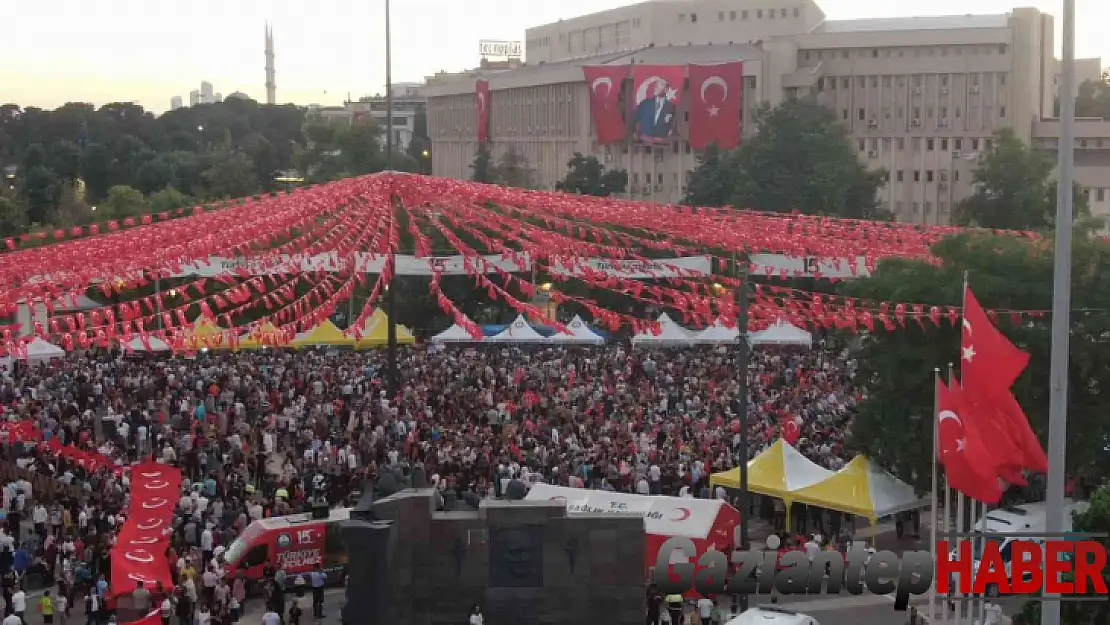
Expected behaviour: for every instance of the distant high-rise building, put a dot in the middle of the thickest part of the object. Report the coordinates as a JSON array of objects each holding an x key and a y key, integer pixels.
[
  {"x": 175, "y": 103},
  {"x": 219, "y": 97},
  {"x": 207, "y": 96},
  {"x": 271, "y": 78},
  {"x": 194, "y": 97}
]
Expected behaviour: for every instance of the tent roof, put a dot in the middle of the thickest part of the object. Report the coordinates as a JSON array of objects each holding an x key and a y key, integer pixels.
[
  {"x": 205, "y": 333},
  {"x": 156, "y": 344},
  {"x": 518, "y": 332},
  {"x": 718, "y": 333},
  {"x": 375, "y": 332},
  {"x": 579, "y": 333},
  {"x": 780, "y": 471},
  {"x": 670, "y": 333},
  {"x": 864, "y": 488},
  {"x": 39, "y": 349},
  {"x": 454, "y": 334},
  {"x": 782, "y": 333},
  {"x": 324, "y": 334},
  {"x": 663, "y": 516}
]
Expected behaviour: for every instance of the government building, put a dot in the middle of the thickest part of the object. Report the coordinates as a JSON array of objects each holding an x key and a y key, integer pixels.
[{"x": 921, "y": 96}]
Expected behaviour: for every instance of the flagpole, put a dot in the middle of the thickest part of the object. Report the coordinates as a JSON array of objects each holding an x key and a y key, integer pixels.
[
  {"x": 961, "y": 606},
  {"x": 933, "y": 492},
  {"x": 959, "y": 616}
]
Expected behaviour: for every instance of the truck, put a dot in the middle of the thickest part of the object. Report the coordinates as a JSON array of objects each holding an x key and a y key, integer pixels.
[{"x": 294, "y": 543}]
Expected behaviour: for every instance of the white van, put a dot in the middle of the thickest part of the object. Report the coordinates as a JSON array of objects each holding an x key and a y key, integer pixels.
[
  {"x": 1028, "y": 518},
  {"x": 772, "y": 615}
]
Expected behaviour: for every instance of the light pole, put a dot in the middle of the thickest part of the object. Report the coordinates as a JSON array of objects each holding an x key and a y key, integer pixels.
[
  {"x": 1061, "y": 301},
  {"x": 390, "y": 308},
  {"x": 742, "y": 413}
]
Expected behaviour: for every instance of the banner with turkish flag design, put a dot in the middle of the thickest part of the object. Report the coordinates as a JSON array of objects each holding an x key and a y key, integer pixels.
[
  {"x": 716, "y": 97},
  {"x": 790, "y": 430},
  {"x": 481, "y": 91},
  {"x": 605, "y": 83},
  {"x": 968, "y": 462},
  {"x": 658, "y": 90},
  {"x": 139, "y": 554}
]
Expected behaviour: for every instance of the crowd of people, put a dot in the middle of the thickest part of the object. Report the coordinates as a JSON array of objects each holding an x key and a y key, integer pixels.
[{"x": 253, "y": 430}]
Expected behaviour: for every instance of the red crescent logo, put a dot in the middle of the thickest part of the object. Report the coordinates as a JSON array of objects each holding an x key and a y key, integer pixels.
[{"x": 684, "y": 512}]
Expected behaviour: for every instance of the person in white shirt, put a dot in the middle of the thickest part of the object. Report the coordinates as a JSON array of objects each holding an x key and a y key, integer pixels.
[
  {"x": 269, "y": 618},
  {"x": 705, "y": 609},
  {"x": 19, "y": 602},
  {"x": 12, "y": 619},
  {"x": 813, "y": 548}
]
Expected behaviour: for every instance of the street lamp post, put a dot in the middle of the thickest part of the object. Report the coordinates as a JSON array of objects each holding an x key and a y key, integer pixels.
[
  {"x": 742, "y": 413},
  {"x": 390, "y": 297}
]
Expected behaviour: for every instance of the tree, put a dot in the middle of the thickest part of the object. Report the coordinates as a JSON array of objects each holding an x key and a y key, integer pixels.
[
  {"x": 712, "y": 182},
  {"x": 168, "y": 199},
  {"x": 41, "y": 190},
  {"x": 229, "y": 175},
  {"x": 13, "y": 217},
  {"x": 122, "y": 202},
  {"x": 512, "y": 169},
  {"x": 587, "y": 176},
  {"x": 1014, "y": 189},
  {"x": 895, "y": 366},
  {"x": 802, "y": 159},
  {"x": 483, "y": 169}
]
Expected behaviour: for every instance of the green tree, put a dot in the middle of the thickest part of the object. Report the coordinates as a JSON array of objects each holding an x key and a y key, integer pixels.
[
  {"x": 513, "y": 170},
  {"x": 482, "y": 167},
  {"x": 122, "y": 202},
  {"x": 229, "y": 175},
  {"x": 13, "y": 217},
  {"x": 896, "y": 414},
  {"x": 168, "y": 199},
  {"x": 41, "y": 190},
  {"x": 713, "y": 180},
  {"x": 802, "y": 159},
  {"x": 587, "y": 176},
  {"x": 1014, "y": 189}
]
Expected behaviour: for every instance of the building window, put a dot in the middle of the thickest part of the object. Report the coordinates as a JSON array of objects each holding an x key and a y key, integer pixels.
[
  {"x": 635, "y": 177},
  {"x": 917, "y": 175},
  {"x": 874, "y": 53},
  {"x": 917, "y": 112},
  {"x": 886, "y": 81},
  {"x": 862, "y": 82},
  {"x": 974, "y": 80},
  {"x": 797, "y": 12},
  {"x": 844, "y": 82},
  {"x": 929, "y": 143},
  {"x": 720, "y": 16},
  {"x": 693, "y": 17},
  {"x": 916, "y": 207},
  {"x": 770, "y": 14},
  {"x": 944, "y": 145},
  {"x": 901, "y": 144},
  {"x": 955, "y": 175},
  {"x": 861, "y": 145},
  {"x": 862, "y": 114},
  {"x": 1002, "y": 111},
  {"x": 975, "y": 145},
  {"x": 1101, "y": 194},
  {"x": 732, "y": 16},
  {"x": 844, "y": 114},
  {"x": 682, "y": 17},
  {"x": 944, "y": 81},
  {"x": 759, "y": 14},
  {"x": 959, "y": 144},
  {"x": 928, "y": 175},
  {"x": 782, "y": 13},
  {"x": 687, "y": 144},
  {"x": 1002, "y": 48},
  {"x": 843, "y": 54},
  {"x": 901, "y": 176},
  {"x": 944, "y": 112},
  {"x": 744, "y": 14},
  {"x": 874, "y": 82}
]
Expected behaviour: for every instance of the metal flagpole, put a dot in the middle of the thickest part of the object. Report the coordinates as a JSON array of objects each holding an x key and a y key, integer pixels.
[
  {"x": 742, "y": 392},
  {"x": 959, "y": 497},
  {"x": 934, "y": 516},
  {"x": 1061, "y": 300},
  {"x": 392, "y": 380}
]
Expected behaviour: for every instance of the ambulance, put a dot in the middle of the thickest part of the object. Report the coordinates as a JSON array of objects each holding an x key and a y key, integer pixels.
[{"x": 295, "y": 544}]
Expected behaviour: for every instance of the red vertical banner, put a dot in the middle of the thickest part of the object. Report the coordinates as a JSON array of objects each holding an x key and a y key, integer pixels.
[
  {"x": 605, "y": 83},
  {"x": 716, "y": 97},
  {"x": 658, "y": 90},
  {"x": 481, "y": 89}
]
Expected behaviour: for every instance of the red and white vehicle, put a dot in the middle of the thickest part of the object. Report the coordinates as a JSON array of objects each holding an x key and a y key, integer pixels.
[
  {"x": 710, "y": 523},
  {"x": 295, "y": 544}
]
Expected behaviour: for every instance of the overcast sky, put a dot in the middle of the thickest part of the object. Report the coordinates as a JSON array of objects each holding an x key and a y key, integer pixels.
[{"x": 55, "y": 51}]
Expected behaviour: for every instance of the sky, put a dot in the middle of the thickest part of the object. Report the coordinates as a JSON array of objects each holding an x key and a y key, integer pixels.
[{"x": 147, "y": 51}]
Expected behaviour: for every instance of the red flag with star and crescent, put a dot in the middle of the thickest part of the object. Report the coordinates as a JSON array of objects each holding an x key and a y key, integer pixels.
[
  {"x": 989, "y": 365},
  {"x": 715, "y": 101},
  {"x": 481, "y": 93},
  {"x": 605, "y": 83},
  {"x": 969, "y": 463}
]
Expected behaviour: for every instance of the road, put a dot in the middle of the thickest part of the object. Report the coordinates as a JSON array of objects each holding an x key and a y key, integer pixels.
[{"x": 865, "y": 609}]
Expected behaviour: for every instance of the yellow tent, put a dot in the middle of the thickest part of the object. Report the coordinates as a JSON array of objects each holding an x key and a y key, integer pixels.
[
  {"x": 780, "y": 471},
  {"x": 265, "y": 335},
  {"x": 862, "y": 488},
  {"x": 205, "y": 334},
  {"x": 324, "y": 334},
  {"x": 375, "y": 332}
]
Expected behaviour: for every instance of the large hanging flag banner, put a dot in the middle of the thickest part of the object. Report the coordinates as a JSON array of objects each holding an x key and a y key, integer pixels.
[
  {"x": 481, "y": 90},
  {"x": 715, "y": 101},
  {"x": 605, "y": 83},
  {"x": 658, "y": 90}
]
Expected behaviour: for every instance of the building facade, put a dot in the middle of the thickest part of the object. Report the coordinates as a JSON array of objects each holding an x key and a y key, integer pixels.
[
  {"x": 408, "y": 103},
  {"x": 921, "y": 97},
  {"x": 175, "y": 103}
]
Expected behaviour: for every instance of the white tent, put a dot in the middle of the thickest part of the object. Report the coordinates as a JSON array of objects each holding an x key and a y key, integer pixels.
[
  {"x": 718, "y": 333},
  {"x": 671, "y": 334},
  {"x": 155, "y": 344},
  {"x": 518, "y": 332},
  {"x": 782, "y": 333},
  {"x": 580, "y": 333},
  {"x": 454, "y": 334},
  {"x": 39, "y": 350}
]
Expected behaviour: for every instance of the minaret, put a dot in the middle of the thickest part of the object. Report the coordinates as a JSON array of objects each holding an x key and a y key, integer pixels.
[{"x": 271, "y": 83}]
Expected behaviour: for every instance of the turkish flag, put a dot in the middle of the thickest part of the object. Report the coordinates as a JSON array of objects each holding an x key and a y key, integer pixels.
[
  {"x": 990, "y": 364},
  {"x": 605, "y": 83},
  {"x": 716, "y": 97},
  {"x": 790, "y": 430},
  {"x": 968, "y": 462},
  {"x": 658, "y": 91},
  {"x": 139, "y": 554},
  {"x": 481, "y": 91}
]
